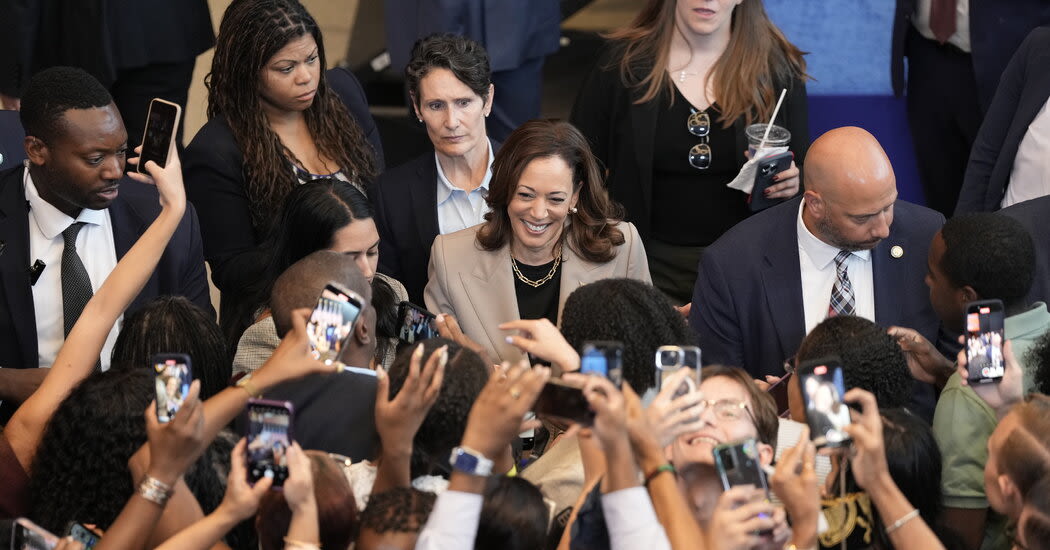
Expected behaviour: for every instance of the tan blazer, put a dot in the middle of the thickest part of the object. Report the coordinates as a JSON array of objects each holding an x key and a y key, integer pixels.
[{"x": 477, "y": 286}]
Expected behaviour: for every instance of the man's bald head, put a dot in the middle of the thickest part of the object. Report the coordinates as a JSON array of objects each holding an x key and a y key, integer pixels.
[
  {"x": 301, "y": 284},
  {"x": 850, "y": 189}
]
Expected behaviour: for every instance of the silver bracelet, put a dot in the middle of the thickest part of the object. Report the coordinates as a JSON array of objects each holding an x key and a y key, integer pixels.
[
  {"x": 900, "y": 522},
  {"x": 155, "y": 491}
]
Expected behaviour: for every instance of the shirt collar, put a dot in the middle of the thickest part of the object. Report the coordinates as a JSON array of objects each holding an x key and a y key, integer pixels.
[
  {"x": 819, "y": 251},
  {"x": 1028, "y": 323},
  {"x": 50, "y": 220},
  {"x": 445, "y": 187}
]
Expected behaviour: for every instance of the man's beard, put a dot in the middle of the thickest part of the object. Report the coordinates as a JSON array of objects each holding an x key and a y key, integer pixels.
[{"x": 832, "y": 236}]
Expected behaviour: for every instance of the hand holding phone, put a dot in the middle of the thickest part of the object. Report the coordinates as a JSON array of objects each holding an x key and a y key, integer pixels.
[
  {"x": 26, "y": 535},
  {"x": 332, "y": 322},
  {"x": 739, "y": 465},
  {"x": 564, "y": 401},
  {"x": 173, "y": 378},
  {"x": 765, "y": 171},
  {"x": 162, "y": 124},
  {"x": 80, "y": 533},
  {"x": 415, "y": 323},
  {"x": 670, "y": 359},
  {"x": 823, "y": 388},
  {"x": 985, "y": 321},
  {"x": 269, "y": 436},
  {"x": 604, "y": 358}
]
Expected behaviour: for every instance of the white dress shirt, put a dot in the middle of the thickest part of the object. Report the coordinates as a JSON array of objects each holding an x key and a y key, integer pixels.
[
  {"x": 458, "y": 209},
  {"x": 816, "y": 260},
  {"x": 453, "y": 523},
  {"x": 94, "y": 246},
  {"x": 961, "y": 37},
  {"x": 1030, "y": 177},
  {"x": 632, "y": 522}
]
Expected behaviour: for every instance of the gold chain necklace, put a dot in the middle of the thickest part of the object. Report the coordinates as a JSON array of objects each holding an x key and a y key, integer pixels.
[{"x": 530, "y": 282}]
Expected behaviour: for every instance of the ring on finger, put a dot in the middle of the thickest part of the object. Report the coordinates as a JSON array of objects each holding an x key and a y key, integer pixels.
[{"x": 515, "y": 392}]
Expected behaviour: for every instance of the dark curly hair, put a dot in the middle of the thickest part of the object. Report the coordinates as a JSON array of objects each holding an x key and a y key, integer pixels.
[
  {"x": 631, "y": 312},
  {"x": 1037, "y": 361},
  {"x": 54, "y": 91},
  {"x": 513, "y": 515},
  {"x": 465, "y": 58},
  {"x": 173, "y": 324},
  {"x": 870, "y": 358},
  {"x": 81, "y": 468},
  {"x": 991, "y": 253},
  {"x": 398, "y": 510},
  {"x": 251, "y": 32},
  {"x": 592, "y": 232},
  {"x": 442, "y": 429}
]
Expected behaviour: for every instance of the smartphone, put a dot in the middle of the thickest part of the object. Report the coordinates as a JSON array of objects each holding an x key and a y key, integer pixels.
[
  {"x": 416, "y": 323},
  {"x": 764, "y": 172},
  {"x": 984, "y": 341},
  {"x": 83, "y": 535},
  {"x": 269, "y": 436},
  {"x": 779, "y": 392},
  {"x": 669, "y": 359},
  {"x": 739, "y": 464},
  {"x": 173, "y": 378},
  {"x": 603, "y": 358},
  {"x": 565, "y": 402},
  {"x": 26, "y": 535},
  {"x": 332, "y": 321},
  {"x": 162, "y": 123},
  {"x": 822, "y": 387}
]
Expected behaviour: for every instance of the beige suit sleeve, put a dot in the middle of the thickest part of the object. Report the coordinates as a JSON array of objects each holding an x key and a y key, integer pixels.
[
  {"x": 637, "y": 261},
  {"x": 436, "y": 294}
]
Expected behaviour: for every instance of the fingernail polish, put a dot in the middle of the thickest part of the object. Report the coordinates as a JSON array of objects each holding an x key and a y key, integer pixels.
[
  {"x": 443, "y": 358},
  {"x": 509, "y": 339},
  {"x": 418, "y": 354}
]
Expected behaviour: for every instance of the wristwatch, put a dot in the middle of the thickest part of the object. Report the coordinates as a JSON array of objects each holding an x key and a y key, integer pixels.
[{"x": 470, "y": 462}]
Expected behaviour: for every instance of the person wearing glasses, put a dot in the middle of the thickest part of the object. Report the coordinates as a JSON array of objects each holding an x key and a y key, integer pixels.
[{"x": 665, "y": 109}]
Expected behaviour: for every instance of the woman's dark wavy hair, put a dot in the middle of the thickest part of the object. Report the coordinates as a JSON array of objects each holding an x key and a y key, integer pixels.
[
  {"x": 631, "y": 312},
  {"x": 173, "y": 324},
  {"x": 336, "y": 510},
  {"x": 308, "y": 220},
  {"x": 513, "y": 515},
  {"x": 81, "y": 468},
  {"x": 252, "y": 32},
  {"x": 465, "y": 58},
  {"x": 591, "y": 231},
  {"x": 442, "y": 429}
]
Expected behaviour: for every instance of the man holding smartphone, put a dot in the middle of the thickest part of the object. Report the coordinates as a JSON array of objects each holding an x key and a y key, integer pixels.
[
  {"x": 66, "y": 216},
  {"x": 974, "y": 257}
]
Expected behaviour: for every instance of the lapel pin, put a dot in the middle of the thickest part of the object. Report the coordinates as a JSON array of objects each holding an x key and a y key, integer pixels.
[{"x": 896, "y": 252}]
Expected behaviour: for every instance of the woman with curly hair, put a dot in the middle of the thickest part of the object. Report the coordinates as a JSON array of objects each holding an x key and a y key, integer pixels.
[
  {"x": 276, "y": 120},
  {"x": 551, "y": 228},
  {"x": 666, "y": 109}
]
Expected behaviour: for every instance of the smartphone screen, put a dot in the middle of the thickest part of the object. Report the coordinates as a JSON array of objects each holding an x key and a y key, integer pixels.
[
  {"x": 669, "y": 359},
  {"x": 416, "y": 323},
  {"x": 172, "y": 380},
  {"x": 984, "y": 341},
  {"x": 161, "y": 124},
  {"x": 83, "y": 535},
  {"x": 565, "y": 402},
  {"x": 269, "y": 435},
  {"x": 822, "y": 390},
  {"x": 331, "y": 322},
  {"x": 26, "y": 535},
  {"x": 603, "y": 358},
  {"x": 779, "y": 391}
]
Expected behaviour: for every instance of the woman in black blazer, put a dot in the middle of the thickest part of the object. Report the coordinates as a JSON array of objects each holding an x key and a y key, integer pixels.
[
  {"x": 276, "y": 121},
  {"x": 674, "y": 81}
]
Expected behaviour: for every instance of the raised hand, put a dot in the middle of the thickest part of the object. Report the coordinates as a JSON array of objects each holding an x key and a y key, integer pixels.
[
  {"x": 168, "y": 179},
  {"x": 540, "y": 338},
  {"x": 292, "y": 359},
  {"x": 795, "y": 483},
  {"x": 1001, "y": 395},
  {"x": 869, "y": 451},
  {"x": 495, "y": 418},
  {"x": 242, "y": 499},
  {"x": 299, "y": 487},
  {"x": 398, "y": 419},
  {"x": 924, "y": 361},
  {"x": 740, "y": 514},
  {"x": 448, "y": 328},
  {"x": 670, "y": 416},
  {"x": 610, "y": 419},
  {"x": 174, "y": 446}
]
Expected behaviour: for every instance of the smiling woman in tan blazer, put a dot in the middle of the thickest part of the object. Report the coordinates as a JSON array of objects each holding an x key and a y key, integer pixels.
[{"x": 551, "y": 229}]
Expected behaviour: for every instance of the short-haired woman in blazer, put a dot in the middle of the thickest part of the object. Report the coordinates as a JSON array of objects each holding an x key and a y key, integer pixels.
[{"x": 551, "y": 228}]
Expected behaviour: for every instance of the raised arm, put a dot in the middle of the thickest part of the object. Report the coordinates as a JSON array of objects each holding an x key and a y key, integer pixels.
[{"x": 78, "y": 355}]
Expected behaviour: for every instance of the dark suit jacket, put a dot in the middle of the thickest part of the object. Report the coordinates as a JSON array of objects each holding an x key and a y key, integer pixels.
[
  {"x": 1023, "y": 90},
  {"x": 334, "y": 413},
  {"x": 213, "y": 168},
  {"x": 12, "y": 140},
  {"x": 180, "y": 271},
  {"x": 405, "y": 201},
  {"x": 996, "y": 30},
  {"x": 747, "y": 305},
  {"x": 512, "y": 31},
  {"x": 621, "y": 133},
  {"x": 1033, "y": 214}
]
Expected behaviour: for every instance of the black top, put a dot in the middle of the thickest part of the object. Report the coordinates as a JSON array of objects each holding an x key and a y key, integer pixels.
[
  {"x": 542, "y": 301},
  {"x": 693, "y": 207}
]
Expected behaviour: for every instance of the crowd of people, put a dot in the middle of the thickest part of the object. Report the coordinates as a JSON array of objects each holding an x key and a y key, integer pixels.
[{"x": 837, "y": 403}]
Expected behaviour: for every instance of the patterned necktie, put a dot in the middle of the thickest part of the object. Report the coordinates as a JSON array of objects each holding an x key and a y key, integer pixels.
[
  {"x": 76, "y": 284},
  {"x": 842, "y": 300},
  {"x": 942, "y": 19}
]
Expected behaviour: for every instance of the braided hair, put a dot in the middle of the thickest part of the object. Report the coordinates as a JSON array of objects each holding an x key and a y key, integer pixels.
[{"x": 252, "y": 32}]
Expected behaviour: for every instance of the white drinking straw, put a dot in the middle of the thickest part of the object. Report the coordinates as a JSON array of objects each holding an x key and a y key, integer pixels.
[{"x": 776, "y": 110}]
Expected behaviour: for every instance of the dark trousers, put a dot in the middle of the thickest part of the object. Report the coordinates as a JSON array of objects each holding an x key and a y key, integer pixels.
[
  {"x": 135, "y": 88},
  {"x": 944, "y": 114},
  {"x": 518, "y": 93},
  {"x": 673, "y": 269}
]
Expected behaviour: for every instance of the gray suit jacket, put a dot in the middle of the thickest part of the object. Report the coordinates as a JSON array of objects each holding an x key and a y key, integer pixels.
[{"x": 477, "y": 286}]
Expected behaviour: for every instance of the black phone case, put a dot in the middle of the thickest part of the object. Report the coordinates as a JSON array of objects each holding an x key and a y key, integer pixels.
[{"x": 764, "y": 172}]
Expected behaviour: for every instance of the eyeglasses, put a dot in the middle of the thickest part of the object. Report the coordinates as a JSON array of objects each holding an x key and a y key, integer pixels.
[
  {"x": 729, "y": 409},
  {"x": 699, "y": 125}
]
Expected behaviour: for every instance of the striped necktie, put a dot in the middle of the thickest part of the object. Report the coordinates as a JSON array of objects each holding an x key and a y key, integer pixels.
[{"x": 842, "y": 300}]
